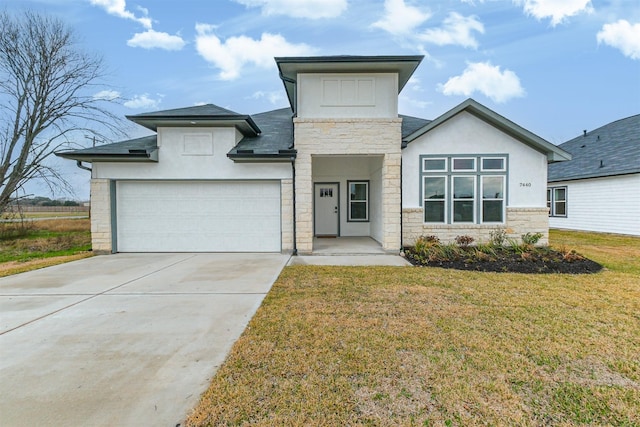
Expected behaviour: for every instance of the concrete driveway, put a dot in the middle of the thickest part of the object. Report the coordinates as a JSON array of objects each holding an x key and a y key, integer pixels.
[{"x": 126, "y": 339}]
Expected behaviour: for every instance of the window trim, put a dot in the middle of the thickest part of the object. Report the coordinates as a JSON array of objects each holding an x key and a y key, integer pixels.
[
  {"x": 444, "y": 199},
  {"x": 454, "y": 199},
  {"x": 504, "y": 163},
  {"x": 502, "y": 199},
  {"x": 478, "y": 173},
  {"x": 551, "y": 201},
  {"x": 366, "y": 201},
  {"x": 453, "y": 162},
  {"x": 425, "y": 170}
]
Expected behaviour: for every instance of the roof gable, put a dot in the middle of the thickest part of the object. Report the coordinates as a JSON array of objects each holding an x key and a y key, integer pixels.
[
  {"x": 197, "y": 116},
  {"x": 612, "y": 149},
  {"x": 554, "y": 154}
]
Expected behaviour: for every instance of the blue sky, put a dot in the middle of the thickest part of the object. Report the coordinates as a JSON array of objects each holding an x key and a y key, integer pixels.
[{"x": 555, "y": 67}]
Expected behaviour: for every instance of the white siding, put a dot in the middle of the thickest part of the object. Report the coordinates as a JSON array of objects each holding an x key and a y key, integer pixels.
[
  {"x": 608, "y": 205},
  {"x": 373, "y": 95},
  {"x": 466, "y": 134},
  {"x": 194, "y": 153}
]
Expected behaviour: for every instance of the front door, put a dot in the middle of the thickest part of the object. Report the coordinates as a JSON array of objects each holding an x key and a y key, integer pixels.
[{"x": 326, "y": 209}]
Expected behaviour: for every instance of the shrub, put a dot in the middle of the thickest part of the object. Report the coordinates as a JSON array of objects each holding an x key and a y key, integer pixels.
[
  {"x": 531, "y": 239},
  {"x": 464, "y": 241},
  {"x": 498, "y": 237}
]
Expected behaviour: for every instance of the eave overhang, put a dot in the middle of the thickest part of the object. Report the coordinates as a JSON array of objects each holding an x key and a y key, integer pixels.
[
  {"x": 249, "y": 156},
  {"x": 133, "y": 156},
  {"x": 244, "y": 123},
  {"x": 290, "y": 67}
]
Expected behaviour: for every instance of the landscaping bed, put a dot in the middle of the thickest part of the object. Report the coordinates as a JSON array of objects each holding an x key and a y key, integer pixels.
[{"x": 499, "y": 255}]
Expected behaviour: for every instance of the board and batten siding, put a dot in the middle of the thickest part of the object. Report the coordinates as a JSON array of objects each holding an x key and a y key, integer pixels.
[{"x": 607, "y": 205}]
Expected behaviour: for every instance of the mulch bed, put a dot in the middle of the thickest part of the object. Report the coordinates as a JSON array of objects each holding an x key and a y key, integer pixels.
[{"x": 538, "y": 261}]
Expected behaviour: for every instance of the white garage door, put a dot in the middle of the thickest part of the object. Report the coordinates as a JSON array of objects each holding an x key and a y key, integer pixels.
[{"x": 198, "y": 216}]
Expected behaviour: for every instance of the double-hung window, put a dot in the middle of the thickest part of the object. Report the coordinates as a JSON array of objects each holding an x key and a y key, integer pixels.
[
  {"x": 358, "y": 201},
  {"x": 464, "y": 189},
  {"x": 557, "y": 201}
]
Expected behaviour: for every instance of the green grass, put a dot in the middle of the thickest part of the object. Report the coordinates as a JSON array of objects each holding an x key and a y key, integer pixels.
[
  {"x": 38, "y": 240},
  {"x": 387, "y": 346}
]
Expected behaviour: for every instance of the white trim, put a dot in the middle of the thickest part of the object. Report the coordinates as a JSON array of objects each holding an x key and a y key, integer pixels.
[
  {"x": 425, "y": 169},
  {"x": 454, "y": 199},
  {"x": 502, "y": 199},
  {"x": 504, "y": 164},
  {"x": 453, "y": 162},
  {"x": 444, "y": 198}
]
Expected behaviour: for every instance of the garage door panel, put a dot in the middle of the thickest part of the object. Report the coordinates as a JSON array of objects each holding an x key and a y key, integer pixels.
[{"x": 197, "y": 216}]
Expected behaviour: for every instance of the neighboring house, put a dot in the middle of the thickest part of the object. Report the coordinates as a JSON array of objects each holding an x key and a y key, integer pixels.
[
  {"x": 599, "y": 189},
  {"x": 339, "y": 162}
]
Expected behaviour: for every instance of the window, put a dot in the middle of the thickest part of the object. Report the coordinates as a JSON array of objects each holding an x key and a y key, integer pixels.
[
  {"x": 434, "y": 165},
  {"x": 358, "y": 201},
  {"x": 464, "y": 164},
  {"x": 464, "y": 198},
  {"x": 435, "y": 189},
  {"x": 493, "y": 164},
  {"x": 493, "y": 198},
  {"x": 557, "y": 201},
  {"x": 469, "y": 189}
]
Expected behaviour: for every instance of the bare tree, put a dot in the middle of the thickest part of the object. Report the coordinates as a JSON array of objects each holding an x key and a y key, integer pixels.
[{"x": 47, "y": 95}]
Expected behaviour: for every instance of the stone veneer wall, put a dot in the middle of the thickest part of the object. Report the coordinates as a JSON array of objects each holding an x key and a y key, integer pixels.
[
  {"x": 101, "y": 216},
  {"x": 348, "y": 136},
  {"x": 286, "y": 200},
  {"x": 519, "y": 222}
]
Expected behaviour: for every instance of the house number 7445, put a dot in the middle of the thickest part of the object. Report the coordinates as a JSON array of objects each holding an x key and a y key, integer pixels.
[{"x": 525, "y": 184}]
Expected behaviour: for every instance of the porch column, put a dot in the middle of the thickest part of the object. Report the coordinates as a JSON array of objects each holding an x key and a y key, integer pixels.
[
  {"x": 391, "y": 206},
  {"x": 304, "y": 204}
]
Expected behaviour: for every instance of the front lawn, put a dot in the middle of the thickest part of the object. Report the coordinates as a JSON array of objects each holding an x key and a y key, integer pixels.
[
  {"x": 36, "y": 244},
  {"x": 390, "y": 346}
]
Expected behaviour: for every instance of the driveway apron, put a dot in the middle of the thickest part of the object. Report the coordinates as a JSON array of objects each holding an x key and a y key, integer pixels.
[{"x": 126, "y": 339}]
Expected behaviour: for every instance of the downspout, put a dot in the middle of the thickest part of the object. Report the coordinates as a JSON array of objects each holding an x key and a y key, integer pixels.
[
  {"x": 293, "y": 159},
  {"x": 81, "y": 166},
  {"x": 401, "y": 234},
  {"x": 293, "y": 176}
]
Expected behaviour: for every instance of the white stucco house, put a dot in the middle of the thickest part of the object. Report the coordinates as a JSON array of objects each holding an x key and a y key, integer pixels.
[
  {"x": 339, "y": 162},
  {"x": 599, "y": 189}
]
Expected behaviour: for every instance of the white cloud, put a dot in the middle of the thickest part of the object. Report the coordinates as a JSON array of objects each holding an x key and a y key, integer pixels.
[
  {"x": 312, "y": 9},
  {"x": 151, "y": 39},
  {"x": 456, "y": 30},
  {"x": 235, "y": 53},
  {"x": 274, "y": 97},
  {"x": 400, "y": 18},
  {"x": 557, "y": 10},
  {"x": 143, "y": 101},
  {"x": 487, "y": 79},
  {"x": 107, "y": 95},
  {"x": 622, "y": 35},
  {"x": 119, "y": 8}
]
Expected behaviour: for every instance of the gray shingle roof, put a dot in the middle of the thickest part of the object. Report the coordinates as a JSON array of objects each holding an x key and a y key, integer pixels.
[
  {"x": 200, "y": 115},
  {"x": 277, "y": 132},
  {"x": 613, "y": 149},
  {"x": 410, "y": 125},
  {"x": 138, "y": 149}
]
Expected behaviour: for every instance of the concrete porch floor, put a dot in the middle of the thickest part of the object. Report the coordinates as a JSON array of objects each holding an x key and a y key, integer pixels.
[
  {"x": 362, "y": 251},
  {"x": 347, "y": 246}
]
